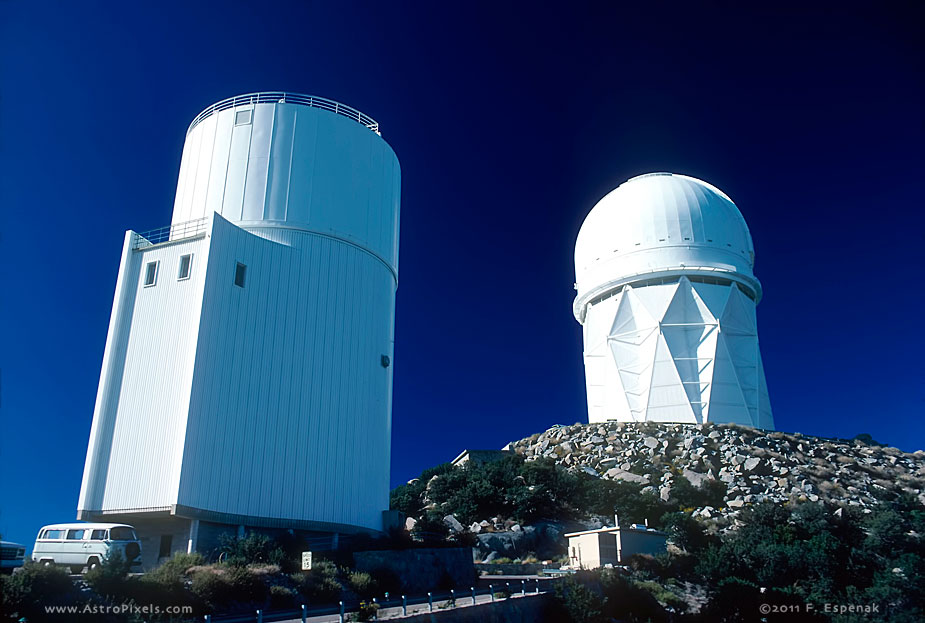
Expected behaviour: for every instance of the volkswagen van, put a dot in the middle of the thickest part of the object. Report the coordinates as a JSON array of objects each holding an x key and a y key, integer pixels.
[{"x": 79, "y": 545}]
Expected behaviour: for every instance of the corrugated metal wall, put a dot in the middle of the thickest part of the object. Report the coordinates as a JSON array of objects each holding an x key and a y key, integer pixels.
[
  {"x": 271, "y": 401},
  {"x": 141, "y": 411},
  {"x": 299, "y": 166},
  {"x": 289, "y": 415}
]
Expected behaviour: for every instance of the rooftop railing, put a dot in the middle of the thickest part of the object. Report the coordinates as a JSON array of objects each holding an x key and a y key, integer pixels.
[
  {"x": 170, "y": 233},
  {"x": 281, "y": 97}
]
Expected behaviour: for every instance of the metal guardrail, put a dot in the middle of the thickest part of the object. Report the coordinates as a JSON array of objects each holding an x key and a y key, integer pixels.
[
  {"x": 176, "y": 231},
  {"x": 281, "y": 97},
  {"x": 441, "y": 600}
]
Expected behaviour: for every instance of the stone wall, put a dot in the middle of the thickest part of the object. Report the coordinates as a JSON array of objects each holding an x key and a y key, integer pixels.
[{"x": 422, "y": 570}]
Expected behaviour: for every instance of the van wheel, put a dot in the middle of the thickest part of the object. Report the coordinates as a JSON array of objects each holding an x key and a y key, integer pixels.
[
  {"x": 47, "y": 563},
  {"x": 93, "y": 563}
]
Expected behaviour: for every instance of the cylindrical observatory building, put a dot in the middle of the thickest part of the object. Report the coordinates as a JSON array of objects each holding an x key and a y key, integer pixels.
[
  {"x": 247, "y": 378},
  {"x": 666, "y": 297}
]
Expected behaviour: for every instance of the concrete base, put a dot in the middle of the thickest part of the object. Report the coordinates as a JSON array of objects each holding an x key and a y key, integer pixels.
[{"x": 162, "y": 535}]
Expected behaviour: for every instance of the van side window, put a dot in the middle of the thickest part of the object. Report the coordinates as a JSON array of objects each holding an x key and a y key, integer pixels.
[
  {"x": 54, "y": 534},
  {"x": 75, "y": 535},
  {"x": 122, "y": 534},
  {"x": 98, "y": 535}
]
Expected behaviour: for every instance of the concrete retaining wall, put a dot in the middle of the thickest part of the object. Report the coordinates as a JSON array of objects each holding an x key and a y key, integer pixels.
[
  {"x": 422, "y": 570},
  {"x": 529, "y": 609}
]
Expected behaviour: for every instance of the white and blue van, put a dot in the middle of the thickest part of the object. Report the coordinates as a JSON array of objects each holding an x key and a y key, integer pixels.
[{"x": 80, "y": 545}]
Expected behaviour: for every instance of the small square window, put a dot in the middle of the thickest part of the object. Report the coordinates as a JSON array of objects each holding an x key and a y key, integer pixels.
[
  {"x": 240, "y": 270},
  {"x": 186, "y": 265},
  {"x": 150, "y": 274},
  {"x": 243, "y": 117}
]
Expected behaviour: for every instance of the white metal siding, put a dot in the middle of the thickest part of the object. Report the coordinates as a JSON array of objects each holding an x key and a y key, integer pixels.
[
  {"x": 268, "y": 401},
  {"x": 142, "y": 418},
  {"x": 302, "y": 167},
  {"x": 290, "y": 416}
]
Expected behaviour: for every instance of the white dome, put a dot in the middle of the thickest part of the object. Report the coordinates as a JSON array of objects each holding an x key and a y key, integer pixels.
[{"x": 661, "y": 224}]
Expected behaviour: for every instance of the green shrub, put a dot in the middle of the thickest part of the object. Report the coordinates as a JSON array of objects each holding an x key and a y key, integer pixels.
[
  {"x": 367, "y": 611},
  {"x": 574, "y": 603},
  {"x": 27, "y": 592},
  {"x": 685, "y": 531},
  {"x": 252, "y": 549},
  {"x": 282, "y": 598},
  {"x": 628, "y": 601},
  {"x": 363, "y": 584},
  {"x": 172, "y": 572},
  {"x": 110, "y": 577},
  {"x": 224, "y": 586},
  {"x": 664, "y": 596},
  {"x": 319, "y": 585}
]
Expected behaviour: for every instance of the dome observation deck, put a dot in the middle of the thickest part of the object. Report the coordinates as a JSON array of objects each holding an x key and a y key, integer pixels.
[
  {"x": 280, "y": 165},
  {"x": 657, "y": 226}
]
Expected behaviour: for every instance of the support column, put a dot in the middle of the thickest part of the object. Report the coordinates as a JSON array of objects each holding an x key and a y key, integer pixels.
[{"x": 193, "y": 536}]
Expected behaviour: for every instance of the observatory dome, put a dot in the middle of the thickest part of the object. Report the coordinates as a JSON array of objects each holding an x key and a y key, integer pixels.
[{"x": 661, "y": 224}]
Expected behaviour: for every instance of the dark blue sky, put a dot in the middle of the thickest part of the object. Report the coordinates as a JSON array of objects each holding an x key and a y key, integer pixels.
[{"x": 510, "y": 123}]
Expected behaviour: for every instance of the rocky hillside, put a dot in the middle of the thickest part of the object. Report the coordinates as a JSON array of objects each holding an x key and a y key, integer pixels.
[{"x": 755, "y": 465}]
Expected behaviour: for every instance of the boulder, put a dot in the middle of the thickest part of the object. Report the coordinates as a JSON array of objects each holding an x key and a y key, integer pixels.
[
  {"x": 695, "y": 478},
  {"x": 616, "y": 473},
  {"x": 453, "y": 524}
]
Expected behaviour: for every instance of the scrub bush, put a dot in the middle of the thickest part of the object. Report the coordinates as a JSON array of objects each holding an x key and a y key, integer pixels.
[{"x": 27, "y": 592}]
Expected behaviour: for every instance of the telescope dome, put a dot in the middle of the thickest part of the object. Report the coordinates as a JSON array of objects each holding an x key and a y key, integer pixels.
[{"x": 662, "y": 224}]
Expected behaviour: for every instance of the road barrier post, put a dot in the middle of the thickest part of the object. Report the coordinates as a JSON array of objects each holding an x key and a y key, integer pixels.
[
  {"x": 491, "y": 589},
  {"x": 260, "y": 616},
  {"x": 341, "y": 612},
  {"x": 404, "y": 605},
  {"x": 304, "y": 613},
  {"x": 473, "y": 595},
  {"x": 430, "y": 600}
]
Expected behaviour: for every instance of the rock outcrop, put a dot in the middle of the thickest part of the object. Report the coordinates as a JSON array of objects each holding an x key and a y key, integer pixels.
[{"x": 755, "y": 465}]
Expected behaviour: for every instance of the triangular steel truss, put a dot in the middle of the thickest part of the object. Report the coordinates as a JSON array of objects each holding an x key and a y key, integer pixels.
[{"x": 683, "y": 352}]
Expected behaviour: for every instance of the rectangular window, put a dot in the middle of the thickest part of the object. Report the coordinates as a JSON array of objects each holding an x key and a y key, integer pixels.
[
  {"x": 151, "y": 274},
  {"x": 98, "y": 535},
  {"x": 166, "y": 542},
  {"x": 186, "y": 265},
  {"x": 54, "y": 534},
  {"x": 122, "y": 534},
  {"x": 75, "y": 535},
  {"x": 243, "y": 117},
  {"x": 240, "y": 270}
]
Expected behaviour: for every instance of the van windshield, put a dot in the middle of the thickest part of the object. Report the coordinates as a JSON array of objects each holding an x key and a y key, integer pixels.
[{"x": 122, "y": 534}]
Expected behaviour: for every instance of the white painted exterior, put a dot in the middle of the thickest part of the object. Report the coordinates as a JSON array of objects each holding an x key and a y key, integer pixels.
[
  {"x": 593, "y": 549},
  {"x": 267, "y": 405},
  {"x": 667, "y": 297}
]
